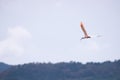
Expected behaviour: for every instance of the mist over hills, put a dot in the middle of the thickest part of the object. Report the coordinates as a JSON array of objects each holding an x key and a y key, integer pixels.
[{"x": 63, "y": 71}]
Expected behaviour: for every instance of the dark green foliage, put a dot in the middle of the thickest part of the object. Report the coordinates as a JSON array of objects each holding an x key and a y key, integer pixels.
[{"x": 64, "y": 71}]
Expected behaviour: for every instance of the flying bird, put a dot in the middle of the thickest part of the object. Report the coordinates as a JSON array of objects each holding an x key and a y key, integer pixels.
[{"x": 86, "y": 36}]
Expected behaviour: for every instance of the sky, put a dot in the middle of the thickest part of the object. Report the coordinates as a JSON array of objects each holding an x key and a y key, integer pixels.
[{"x": 49, "y": 31}]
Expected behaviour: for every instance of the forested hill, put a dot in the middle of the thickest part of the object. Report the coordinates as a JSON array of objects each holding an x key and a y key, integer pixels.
[
  {"x": 3, "y": 67},
  {"x": 64, "y": 71}
]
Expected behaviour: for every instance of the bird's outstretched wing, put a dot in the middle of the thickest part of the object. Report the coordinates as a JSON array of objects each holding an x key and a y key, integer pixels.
[{"x": 83, "y": 29}]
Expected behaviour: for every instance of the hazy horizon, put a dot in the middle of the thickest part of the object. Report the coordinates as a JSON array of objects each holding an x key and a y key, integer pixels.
[{"x": 63, "y": 62}]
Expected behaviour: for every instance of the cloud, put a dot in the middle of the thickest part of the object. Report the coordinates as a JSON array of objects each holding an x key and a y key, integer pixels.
[
  {"x": 18, "y": 33},
  {"x": 14, "y": 43}
]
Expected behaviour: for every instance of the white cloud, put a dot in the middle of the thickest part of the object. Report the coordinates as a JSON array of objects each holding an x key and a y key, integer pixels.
[
  {"x": 18, "y": 33},
  {"x": 14, "y": 43}
]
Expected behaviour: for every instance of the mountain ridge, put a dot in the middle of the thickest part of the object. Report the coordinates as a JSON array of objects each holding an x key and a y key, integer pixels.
[{"x": 64, "y": 71}]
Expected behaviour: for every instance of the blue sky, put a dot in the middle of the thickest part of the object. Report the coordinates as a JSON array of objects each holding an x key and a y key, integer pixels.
[{"x": 48, "y": 30}]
